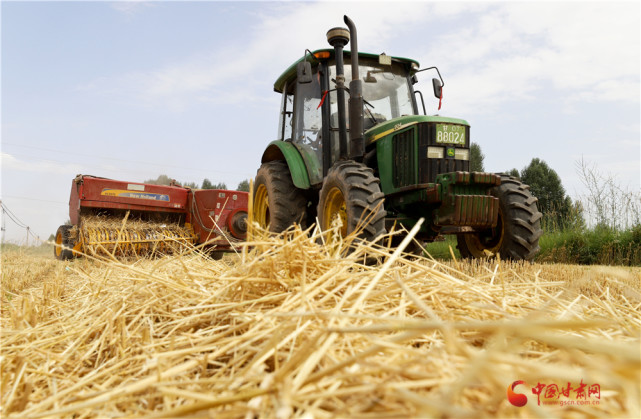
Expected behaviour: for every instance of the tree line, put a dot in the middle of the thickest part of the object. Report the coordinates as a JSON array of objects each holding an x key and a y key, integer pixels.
[{"x": 207, "y": 184}]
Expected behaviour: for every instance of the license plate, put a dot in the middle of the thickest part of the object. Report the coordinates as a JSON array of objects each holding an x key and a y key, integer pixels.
[{"x": 450, "y": 134}]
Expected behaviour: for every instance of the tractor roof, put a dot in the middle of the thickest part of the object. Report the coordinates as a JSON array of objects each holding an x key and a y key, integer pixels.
[{"x": 290, "y": 73}]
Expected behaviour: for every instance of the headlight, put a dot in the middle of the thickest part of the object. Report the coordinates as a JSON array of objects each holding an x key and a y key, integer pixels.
[
  {"x": 435, "y": 152},
  {"x": 462, "y": 154}
]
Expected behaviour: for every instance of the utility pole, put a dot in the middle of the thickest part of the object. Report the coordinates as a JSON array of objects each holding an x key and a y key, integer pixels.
[
  {"x": 3, "y": 223},
  {"x": 27, "y": 236}
]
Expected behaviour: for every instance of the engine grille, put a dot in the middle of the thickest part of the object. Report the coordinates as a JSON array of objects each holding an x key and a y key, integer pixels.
[
  {"x": 428, "y": 169},
  {"x": 404, "y": 167}
]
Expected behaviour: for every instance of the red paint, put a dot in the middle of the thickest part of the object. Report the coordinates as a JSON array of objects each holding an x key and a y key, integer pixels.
[{"x": 207, "y": 204}]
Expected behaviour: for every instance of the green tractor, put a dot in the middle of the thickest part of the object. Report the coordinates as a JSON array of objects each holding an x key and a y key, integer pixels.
[{"x": 352, "y": 144}]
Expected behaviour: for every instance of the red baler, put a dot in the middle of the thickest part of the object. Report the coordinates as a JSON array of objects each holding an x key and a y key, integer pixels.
[{"x": 117, "y": 217}]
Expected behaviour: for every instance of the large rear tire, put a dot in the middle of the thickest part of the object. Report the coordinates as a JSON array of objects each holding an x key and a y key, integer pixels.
[
  {"x": 516, "y": 235},
  {"x": 353, "y": 194},
  {"x": 63, "y": 248},
  {"x": 277, "y": 203}
]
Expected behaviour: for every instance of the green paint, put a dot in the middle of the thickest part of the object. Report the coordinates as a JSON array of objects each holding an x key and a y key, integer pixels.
[
  {"x": 389, "y": 128},
  {"x": 293, "y": 158},
  {"x": 312, "y": 163},
  {"x": 382, "y": 136}
]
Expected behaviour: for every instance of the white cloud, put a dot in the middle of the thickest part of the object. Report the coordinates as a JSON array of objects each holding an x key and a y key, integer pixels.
[
  {"x": 492, "y": 56},
  {"x": 588, "y": 51},
  {"x": 262, "y": 58}
]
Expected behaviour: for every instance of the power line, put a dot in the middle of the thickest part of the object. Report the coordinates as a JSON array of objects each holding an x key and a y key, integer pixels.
[
  {"x": 13, "y": 217},
  {"x": 17, "y": 221},
  {"x": 36, "y": 199},
  {"x": 82, "y": 168},
  {"x": 117, "y": 159}
]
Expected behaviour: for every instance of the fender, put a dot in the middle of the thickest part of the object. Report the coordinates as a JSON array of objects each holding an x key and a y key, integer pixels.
[{"x": 283, "y": 150}]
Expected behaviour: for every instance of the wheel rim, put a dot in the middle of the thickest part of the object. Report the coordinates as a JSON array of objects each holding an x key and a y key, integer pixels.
[
  {"x": 77, "y": 248},
  {"x": 490, "y": 240},
  {"x": 261, "y": 207},
  {"x": 333, "y": 207},
  {"x": 58, "y": 249}
]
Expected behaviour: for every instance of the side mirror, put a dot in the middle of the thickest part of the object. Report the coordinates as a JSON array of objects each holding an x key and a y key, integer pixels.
[
  {"x": 438, "y": 88},
  {"x": 304, "y": 72}
]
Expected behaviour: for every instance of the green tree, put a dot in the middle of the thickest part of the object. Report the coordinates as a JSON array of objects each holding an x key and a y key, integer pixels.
[
  {"x": 243, "y": 186},
  {"x": 160, "y": 180},
  {"x": 545, "y": 184},
  {"x": 207, "y": 184},
  {"x": 476, "y": 158},
  {"x": 192, "y": 185},
  {"x": 514, "y": 173}
]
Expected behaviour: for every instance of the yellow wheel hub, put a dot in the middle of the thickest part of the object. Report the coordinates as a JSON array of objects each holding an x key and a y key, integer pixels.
[
  {"x": 58, "y": 245},
  {"x": 485, "y": 245},
  {"x": 334, "y": 208},
  {"x": 261, "y": 207}
]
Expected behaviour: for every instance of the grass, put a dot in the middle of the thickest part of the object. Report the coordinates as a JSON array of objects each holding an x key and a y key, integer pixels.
[
  {"x": 582, "y": 246},
  {"x": 443, "y": 250},
  {"x": 601, "y": 246}
]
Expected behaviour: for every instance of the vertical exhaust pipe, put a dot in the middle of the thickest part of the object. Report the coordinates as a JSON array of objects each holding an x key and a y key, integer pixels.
[
  {"x": 357, "y": 149},
  {"x": 338, "y": 38}
]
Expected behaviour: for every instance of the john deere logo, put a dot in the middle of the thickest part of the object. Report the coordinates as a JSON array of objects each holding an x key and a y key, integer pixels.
[{"x": 450, "y": 152}]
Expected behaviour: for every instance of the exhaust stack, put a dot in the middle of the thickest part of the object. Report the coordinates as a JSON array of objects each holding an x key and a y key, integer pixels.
[
  {"x": 355, "y": 100},
  {"x": 338, "y": 38}
]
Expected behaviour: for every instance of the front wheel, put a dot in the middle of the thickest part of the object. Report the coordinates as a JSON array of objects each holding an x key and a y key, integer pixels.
[
  {"x": 518, "y": 229},
  {"x": 277, "y": 202},
  {"x": 351, "y": 195}
]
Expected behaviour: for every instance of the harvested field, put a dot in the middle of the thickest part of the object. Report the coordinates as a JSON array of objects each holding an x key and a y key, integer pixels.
[{"x": 290, "y": 328}]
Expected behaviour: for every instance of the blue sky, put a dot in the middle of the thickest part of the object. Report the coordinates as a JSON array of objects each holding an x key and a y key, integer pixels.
[{"x": 131, "y": 90}]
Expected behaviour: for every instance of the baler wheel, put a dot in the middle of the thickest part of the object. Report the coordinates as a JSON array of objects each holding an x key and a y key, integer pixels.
[
  {"x": 278, "y": 203},
  {"x": 352, "y": 194},
  {"x": 516, "y": 235},
  {"x": 63, "y": 248}
]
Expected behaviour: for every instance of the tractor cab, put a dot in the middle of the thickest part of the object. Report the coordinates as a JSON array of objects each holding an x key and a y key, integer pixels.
[{"x": 309, "y": 110}]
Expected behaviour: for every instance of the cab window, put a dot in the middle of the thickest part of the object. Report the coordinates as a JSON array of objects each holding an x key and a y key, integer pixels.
[
  {"x": 307, "y": 114},
  {"x": 286, "y": 112}
]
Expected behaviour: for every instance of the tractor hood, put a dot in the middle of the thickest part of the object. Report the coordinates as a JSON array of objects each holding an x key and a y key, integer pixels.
[{"x": 389, "y": 127}]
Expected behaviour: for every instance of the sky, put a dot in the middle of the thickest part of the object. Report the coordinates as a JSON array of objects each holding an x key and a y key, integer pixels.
[{"x": 132, "y": 90}]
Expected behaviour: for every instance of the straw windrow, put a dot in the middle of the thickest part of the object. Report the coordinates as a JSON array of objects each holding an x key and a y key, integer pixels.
[{"x": 291, "y": 328}]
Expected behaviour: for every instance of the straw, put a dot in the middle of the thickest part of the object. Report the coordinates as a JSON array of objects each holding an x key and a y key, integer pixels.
[{"x": 294, "y": 328}]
